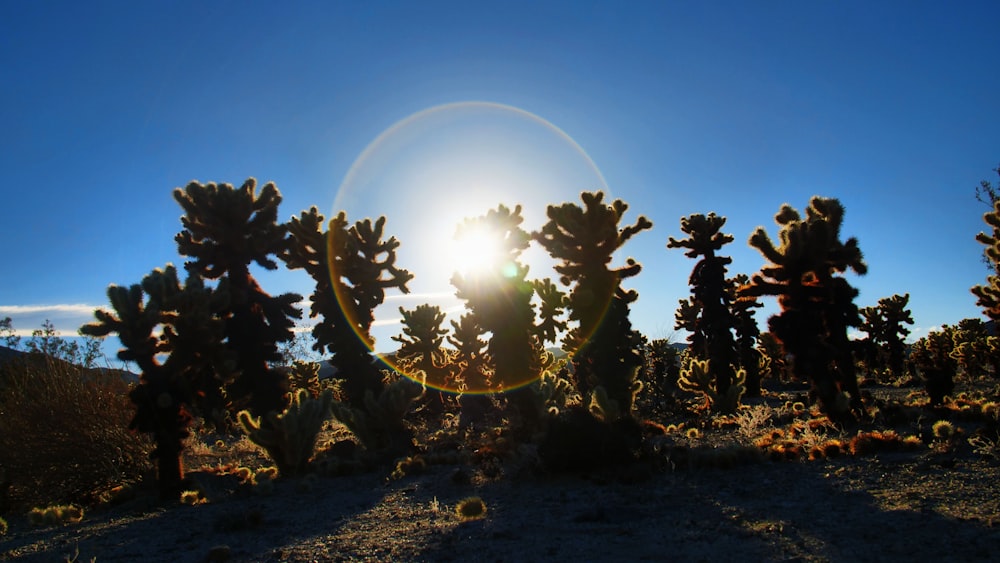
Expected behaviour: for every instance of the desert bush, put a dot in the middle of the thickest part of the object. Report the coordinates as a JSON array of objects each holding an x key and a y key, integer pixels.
[{"x": 63, "y": 432}]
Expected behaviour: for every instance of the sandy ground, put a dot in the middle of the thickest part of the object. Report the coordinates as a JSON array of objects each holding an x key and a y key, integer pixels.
[
  {"x": 885, "y": 508},
  {"x": 933, "y": 504}
]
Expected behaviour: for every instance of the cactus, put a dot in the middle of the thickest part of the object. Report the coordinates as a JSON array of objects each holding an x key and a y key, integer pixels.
[
  {"x": 289, "y": 437},
  {"x": 698, "y": 378},
  {"x": 196, "y": 366},
  {"x": 602, "y": 344},
  {"x": 817, "y": 306},
  {"x": 712, "y": 328},
  {"x": 752, "y": 360},
  {"x": 420, "y": 350},
  {"x": 225, "y": 230},
  {"x": 352, "y": 267},
  {"x": 304, "y": 375},
  {"x": 380, "y": 424},
  {"x": 933, "y": 358},
  {"x": 500, "y": 300},
  {"x": 886, "y": 334},
  {"x": 472, "y": 363},
  {"x": 471, "y": 508},
  {"x": 988, "y": 294},
  {"x": 552, "y": 392}
]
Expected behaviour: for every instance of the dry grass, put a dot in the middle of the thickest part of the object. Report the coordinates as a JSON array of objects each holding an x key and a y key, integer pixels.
[{"x": 64, "y": 434}]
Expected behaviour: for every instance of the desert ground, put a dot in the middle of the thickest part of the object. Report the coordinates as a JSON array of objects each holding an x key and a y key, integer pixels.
[{"x": 938, "y": 502}]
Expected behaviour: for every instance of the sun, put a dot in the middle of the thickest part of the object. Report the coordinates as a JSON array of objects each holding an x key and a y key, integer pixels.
[
  {"x": 474, "y": 251},
  {"x": 436, "y": 169}
]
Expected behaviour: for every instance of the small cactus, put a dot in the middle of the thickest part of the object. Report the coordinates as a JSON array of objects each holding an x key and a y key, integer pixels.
[
  {"x": 471, "y": 508},
  {"x": 289, "y": 437},
  {"x": 55, "y": 515},
  {"x": 697, "y": 378}
]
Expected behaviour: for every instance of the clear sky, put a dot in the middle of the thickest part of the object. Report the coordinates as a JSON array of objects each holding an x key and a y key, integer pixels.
[{"x": 675, "y": 107}]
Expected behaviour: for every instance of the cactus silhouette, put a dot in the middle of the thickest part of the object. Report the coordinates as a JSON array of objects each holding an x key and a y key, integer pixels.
[
  {"x": 602, "y": 344},
  {"x": 707, "y": 314},
  {"x": 472, "y": 369},
  {"x": 747, "y": 333},
  {"x": 225, "y": 230},
  {"x": 500, "y": 299},
  {"x": 196, "y": 366},
  {"x": 352, "y": 268},
  {"x": 817, "y": 305},
  {"x": 934, "y": 360},
  {"x": 420, "y": 344},
  {"x": 988, "y": 294},
  {"x": 886, "y": 333}
]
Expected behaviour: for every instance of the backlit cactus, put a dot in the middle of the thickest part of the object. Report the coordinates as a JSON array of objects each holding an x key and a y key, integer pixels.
[
  {"x": 184, "y": 368},
  {"x": 604, "y": 350},
  {"x": 225, "y": 230},
  {"x": 698, "y": 378},
  {"x": 289, "y": 437},
  {"x": 707, "y": 315},
  {"x": 352, "y": 267},
  {"x": 817, "y": 304}
]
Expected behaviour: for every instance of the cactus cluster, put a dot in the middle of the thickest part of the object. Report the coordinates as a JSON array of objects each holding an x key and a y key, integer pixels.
[
  {"x": 380, "y": 424},
  {"x": 208, "y": 350},
  {"x": 289, "y": 437},
  {"x": 697, "y": 377}
]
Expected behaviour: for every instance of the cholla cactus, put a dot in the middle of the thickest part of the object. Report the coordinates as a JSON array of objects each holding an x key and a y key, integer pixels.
[
  {"x": 603, "y": 346},
  {"x": 708, "y": 313},
  {"x": 289, "y": 437},
  {"x": 184, "y": 368},
  {"x": 500, "y": 300},
  {"x": 817, "y": 305},
  {"x": 352, "y": 267},
  {"x": 225, "y": 230},
  {"x": 552, "y": 392},
  {"x": 698, "y": 378},
  {"x": 380, "y": 425},
  {"x": 304, "y": 375},
  {"x": 420, "y": 345},
  {"x": 988, "y": 295}
]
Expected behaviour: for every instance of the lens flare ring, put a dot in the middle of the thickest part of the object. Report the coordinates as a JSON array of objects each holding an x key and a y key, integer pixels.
[{"x": 409, "y": 128}]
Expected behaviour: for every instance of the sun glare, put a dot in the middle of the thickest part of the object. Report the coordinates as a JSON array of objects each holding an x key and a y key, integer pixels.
[
  {"x": 476, "y": 251},
  {"x": 433, "y": 170}
]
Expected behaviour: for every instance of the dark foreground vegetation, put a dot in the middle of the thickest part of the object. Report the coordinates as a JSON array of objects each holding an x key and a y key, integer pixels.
[{"x": 495, "y": 404}]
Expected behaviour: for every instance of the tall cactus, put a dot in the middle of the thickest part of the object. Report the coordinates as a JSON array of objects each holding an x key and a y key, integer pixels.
[
  {"x": 420, "y": 344},
  {"x": 183, "y": 368},
  {"x": 472, "y": 371},
  {"x": 604, "y": 348},
  {"x": 747, "y": 333},
  {"x": 712, "y": 331},
  {"x": 500, "y": 299},
  {"x": 817, "y": 305},
  {"x": 988, "y": 294},
  {"x": 225, "y": 230},
  {"x": 352, "y": 268}
]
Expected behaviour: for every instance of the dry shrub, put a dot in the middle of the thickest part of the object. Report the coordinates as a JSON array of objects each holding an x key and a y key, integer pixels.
[{"x": 64, "y": 434}]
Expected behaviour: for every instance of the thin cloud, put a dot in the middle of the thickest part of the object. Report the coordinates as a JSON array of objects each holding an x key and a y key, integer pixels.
[
  {"x": 415, "y": 296},
  {"x": 72, "y": 309}
]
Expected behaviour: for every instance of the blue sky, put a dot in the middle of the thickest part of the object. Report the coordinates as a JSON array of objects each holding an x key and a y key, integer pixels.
[{"x": 683, "y": 107}]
